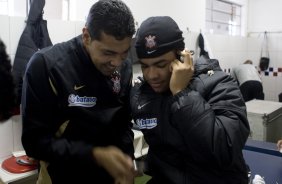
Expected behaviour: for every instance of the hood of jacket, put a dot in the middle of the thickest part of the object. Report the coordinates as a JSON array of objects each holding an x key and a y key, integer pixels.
[
  {"x": 36, "y": 11},
  {"x": 203, "y": 65}
]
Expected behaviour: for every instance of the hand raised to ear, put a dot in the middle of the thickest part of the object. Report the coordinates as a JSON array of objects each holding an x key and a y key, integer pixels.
[{"x": 182, "y": 72}]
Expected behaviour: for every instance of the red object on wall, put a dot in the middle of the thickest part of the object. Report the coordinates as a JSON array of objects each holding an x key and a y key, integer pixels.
[{"x": 19, "y": 164}]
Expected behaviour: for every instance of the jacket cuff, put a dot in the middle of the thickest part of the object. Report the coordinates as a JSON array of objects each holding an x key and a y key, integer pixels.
[{"x": 181, "y": 93}]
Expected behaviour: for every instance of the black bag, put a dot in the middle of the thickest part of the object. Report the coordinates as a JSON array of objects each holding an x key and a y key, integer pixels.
[
  {"x": 280, "y": 97},
  {"x": 264, "y": 60},
  {"x": 264, "y": 63}
]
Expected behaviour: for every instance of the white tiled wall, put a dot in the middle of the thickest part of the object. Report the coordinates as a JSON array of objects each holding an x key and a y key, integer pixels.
[
  {"x": 17, "y": 25},
  {"x": 60, "y": 31},
  {"x": 10, "y": 136},
  {"x": 17, "y": 133},
  {"x": 6, "y": 140},
  {"x": 5, "y": 31}
]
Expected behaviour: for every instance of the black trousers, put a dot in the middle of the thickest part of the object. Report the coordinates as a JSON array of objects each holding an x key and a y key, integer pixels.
[{"x": 252, "y": 90}]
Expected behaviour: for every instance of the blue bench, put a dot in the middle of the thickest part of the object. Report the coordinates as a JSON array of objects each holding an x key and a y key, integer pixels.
[{"x": 264, "y": 159}]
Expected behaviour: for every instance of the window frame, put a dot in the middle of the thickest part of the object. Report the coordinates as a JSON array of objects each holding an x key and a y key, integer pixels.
[{"x": 234, "y": 15}]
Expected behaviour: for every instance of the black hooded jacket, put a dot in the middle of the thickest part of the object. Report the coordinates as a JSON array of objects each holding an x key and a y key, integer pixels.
[
  {"x": 34, "y": 37},
  {"x": 196, "y": 136}
]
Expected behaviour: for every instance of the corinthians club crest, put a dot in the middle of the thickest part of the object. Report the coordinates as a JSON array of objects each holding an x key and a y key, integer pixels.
[
  {"x": 115, "y": 78},
  {"x": 150, "y": 42}
]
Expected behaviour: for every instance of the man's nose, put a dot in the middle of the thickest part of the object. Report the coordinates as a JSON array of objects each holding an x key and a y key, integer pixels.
[
  {"x": 117, "y": 61},
  {"x": 151, "y": 73}
]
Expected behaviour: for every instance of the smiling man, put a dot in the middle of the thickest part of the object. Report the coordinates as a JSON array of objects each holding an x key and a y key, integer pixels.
[
  {"x": 75, "y": 102},
  {"x": 193, "y": 117}
]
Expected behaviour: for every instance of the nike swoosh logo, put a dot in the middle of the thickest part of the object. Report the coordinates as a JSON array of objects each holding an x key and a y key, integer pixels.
[
  {"x": 78, "y": 87},
  {"x": 151, "y": 52},
  {"x": 143, "y": 105}
]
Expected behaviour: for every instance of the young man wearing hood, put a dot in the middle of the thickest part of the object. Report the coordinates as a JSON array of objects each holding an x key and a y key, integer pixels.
[{"x": 193, "y": 117}]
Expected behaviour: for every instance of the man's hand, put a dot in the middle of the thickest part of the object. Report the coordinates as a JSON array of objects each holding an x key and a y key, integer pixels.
[
  {"x": 118, "y": 164},
  {"x": 182, "y": 72}
]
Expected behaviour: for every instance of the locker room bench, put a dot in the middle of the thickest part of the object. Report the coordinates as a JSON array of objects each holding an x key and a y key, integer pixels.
[{"x": 264, "y": 160}]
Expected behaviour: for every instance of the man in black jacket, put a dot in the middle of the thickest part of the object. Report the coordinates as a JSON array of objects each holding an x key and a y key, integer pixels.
[
  {"x": 75, "y": 102},
  {"x": 193, "y": 117}
]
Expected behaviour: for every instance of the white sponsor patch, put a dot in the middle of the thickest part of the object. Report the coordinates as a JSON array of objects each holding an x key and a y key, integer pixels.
[
  {"x": 75, "y": 100},
  {"x": 147, "y": 123}
]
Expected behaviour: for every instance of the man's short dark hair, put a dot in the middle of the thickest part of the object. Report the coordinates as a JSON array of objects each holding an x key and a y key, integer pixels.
[
  {"x": 7, "y": 88},
  {"x": 112, "y": 17}
]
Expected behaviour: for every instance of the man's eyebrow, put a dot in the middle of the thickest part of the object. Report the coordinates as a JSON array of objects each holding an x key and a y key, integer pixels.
[{"x": 113, "y": 52}]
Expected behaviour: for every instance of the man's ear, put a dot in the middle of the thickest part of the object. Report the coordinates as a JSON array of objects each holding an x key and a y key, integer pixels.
[{"x": 86, "y": 38}]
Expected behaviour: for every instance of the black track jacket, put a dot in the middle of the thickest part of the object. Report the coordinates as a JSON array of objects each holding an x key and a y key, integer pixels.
[{"x": 61, "y": 84}]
